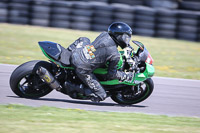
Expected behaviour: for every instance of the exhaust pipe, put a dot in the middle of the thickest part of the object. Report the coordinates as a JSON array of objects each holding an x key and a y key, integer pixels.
[{"x": 48, "y": 78}]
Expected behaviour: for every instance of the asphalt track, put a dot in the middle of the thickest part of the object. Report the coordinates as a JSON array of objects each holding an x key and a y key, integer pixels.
[{"x": 172, "y": 97}]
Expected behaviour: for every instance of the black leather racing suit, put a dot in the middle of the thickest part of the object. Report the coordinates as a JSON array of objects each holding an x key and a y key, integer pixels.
[{"x": 89, "y": 56}]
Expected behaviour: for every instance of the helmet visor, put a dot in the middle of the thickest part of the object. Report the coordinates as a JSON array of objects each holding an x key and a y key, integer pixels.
[
  {"x": 126, "y": 38},
  {"x": 123, "y": 40}
]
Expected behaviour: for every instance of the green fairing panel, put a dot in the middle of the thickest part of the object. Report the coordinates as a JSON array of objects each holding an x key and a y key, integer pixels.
[
  {"x": 150, "y": 70},
  {"x": 101, "y": 71},
  {"x": 111, "y": 82}
]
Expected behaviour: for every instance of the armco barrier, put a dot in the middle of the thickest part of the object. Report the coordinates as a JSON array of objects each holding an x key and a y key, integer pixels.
[{"x": 97, "y": 16}]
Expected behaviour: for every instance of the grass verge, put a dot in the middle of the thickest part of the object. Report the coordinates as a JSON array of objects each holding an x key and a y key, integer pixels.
[
  {"x": 20, "y": 119},
  {"x": 173, "y": 58}
]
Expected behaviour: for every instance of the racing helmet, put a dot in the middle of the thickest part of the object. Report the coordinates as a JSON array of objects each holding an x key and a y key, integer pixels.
[{"x": 120, "y": 33}]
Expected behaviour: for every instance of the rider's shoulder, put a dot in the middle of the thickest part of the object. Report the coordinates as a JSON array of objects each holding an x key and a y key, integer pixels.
[{"x": 84, "y": 39}]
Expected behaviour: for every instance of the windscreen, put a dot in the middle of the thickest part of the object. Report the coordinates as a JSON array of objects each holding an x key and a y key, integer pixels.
[{"x": 143, "y": 54}]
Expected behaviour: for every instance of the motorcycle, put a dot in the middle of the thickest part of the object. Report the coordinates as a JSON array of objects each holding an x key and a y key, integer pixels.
[{"x": 37, "y": 78}]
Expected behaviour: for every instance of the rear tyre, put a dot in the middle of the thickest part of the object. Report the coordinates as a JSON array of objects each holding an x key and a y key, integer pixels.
[
  {"x": 139, "y": 94},
  {"x": 25, "y": 83}
]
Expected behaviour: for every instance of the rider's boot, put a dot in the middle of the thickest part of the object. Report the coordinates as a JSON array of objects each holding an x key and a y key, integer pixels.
[
  {"x": 70, "y": 87},
  {"x": 78, "y": 88}
]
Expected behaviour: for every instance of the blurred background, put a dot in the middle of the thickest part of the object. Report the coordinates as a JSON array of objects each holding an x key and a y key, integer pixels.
[{"x": 178, "y": 19}]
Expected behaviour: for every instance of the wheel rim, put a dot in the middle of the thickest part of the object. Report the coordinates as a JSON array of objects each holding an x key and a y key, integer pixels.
[
  {"x": 32, "y": 86},
  {"x": 134, "y": 97}
]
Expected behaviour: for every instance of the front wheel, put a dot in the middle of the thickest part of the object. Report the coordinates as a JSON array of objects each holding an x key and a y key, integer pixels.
[
  {"x": 134, "y": 94},
  {"x": 25, "y": 83}
]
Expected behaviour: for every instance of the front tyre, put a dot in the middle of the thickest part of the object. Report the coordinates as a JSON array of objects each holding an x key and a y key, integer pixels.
[
  {"x": 135, "y": 94},
  {"x": 25, "y": 83}
]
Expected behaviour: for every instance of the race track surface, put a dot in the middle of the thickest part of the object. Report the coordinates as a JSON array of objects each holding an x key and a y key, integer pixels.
[{"x": 173, "y": 97}]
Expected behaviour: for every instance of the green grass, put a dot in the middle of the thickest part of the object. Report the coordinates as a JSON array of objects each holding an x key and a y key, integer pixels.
[
  {"x": 172, "y": 58},
  {"x": 23, "y": 119}
]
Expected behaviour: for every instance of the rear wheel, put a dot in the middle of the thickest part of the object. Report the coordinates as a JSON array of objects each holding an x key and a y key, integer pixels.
[
  {"x": 134, "y": 94},
  {"x": 25, "y": 83}
]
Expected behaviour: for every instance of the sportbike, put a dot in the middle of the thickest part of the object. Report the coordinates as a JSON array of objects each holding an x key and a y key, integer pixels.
[{"x": 37, "y": 78}]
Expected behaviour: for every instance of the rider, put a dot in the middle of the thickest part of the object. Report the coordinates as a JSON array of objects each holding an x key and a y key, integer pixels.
[{"x": 87, "y": 56}]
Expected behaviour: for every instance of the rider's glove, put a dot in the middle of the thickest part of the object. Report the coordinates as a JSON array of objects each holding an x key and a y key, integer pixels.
[{"x": 125, "y": 76}]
